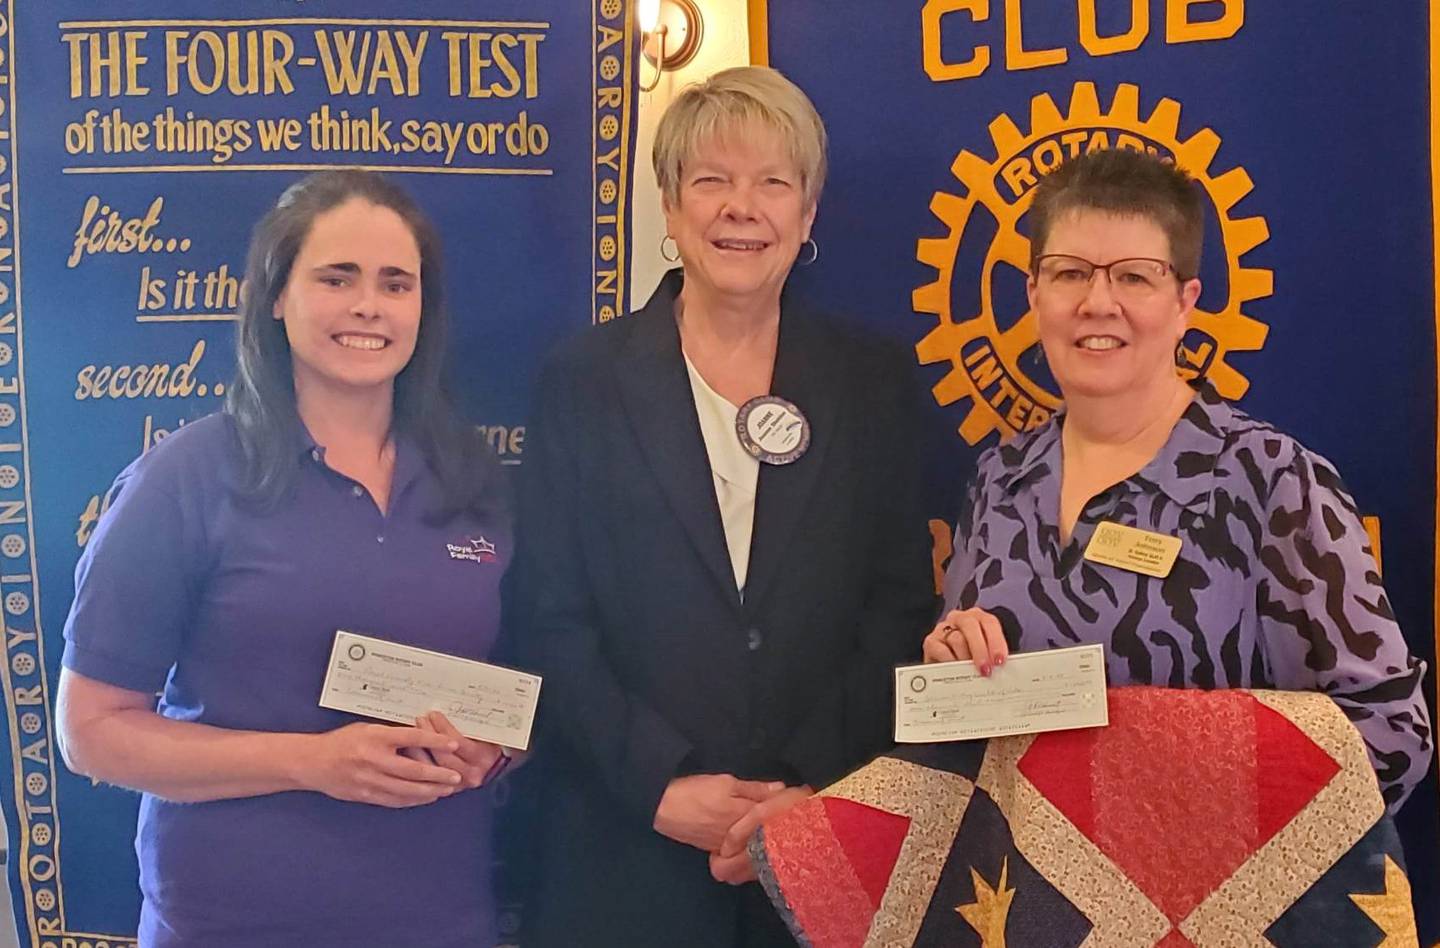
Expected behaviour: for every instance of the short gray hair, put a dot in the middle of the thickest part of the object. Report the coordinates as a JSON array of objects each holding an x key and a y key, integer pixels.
[{"x": 736, "y": 98}]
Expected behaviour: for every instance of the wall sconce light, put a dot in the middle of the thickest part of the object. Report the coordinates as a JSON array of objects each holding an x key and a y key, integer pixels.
[{"x": 670, "y": 34}]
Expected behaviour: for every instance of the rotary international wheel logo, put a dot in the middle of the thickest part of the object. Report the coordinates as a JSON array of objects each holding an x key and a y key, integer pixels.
[{"x": 985, "y": 347}]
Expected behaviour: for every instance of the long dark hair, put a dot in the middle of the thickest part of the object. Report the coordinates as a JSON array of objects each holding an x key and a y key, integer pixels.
[{"x": 262, "y": 396}]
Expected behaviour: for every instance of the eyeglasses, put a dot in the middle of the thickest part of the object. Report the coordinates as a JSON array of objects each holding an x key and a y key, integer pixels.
[{"x": 1134, "y": 279}]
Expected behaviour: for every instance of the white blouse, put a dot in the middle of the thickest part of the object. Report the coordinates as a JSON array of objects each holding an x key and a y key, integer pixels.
[{"x": 735, "y": 473}]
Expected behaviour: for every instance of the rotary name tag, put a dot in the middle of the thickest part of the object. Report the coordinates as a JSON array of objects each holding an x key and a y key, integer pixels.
[{"x": 1139, "y": 551}]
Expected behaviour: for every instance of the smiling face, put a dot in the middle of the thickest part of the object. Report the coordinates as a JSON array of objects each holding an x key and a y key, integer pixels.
[
  {"x": 1102, "y": 339},
  {"x": 351, "y": 306},
  {"x": 740, "y": 216}
]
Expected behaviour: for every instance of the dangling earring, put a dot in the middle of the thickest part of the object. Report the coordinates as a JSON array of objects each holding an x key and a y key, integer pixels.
[
  {"x": 665, "y": 255},
  {"x": 814, "y": 253}
]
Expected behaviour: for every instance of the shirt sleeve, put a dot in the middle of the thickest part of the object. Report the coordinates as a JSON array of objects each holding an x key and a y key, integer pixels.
[
  {"x": 135, "y": 586},
  {"x": 1327, "y": 624}
]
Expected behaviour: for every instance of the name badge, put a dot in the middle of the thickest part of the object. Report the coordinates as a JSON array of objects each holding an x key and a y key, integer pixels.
[
  {"x": 772, "y": 430},
  {"x": 1138, "y": 551}
]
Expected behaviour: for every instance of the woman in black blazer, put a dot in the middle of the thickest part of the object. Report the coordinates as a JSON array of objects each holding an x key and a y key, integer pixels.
[{"x": 722, "y": 547}]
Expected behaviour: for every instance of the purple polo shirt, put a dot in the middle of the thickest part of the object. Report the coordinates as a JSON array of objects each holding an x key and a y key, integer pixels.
[
  {"x": 232, "y": 613},
  {"x": 1275, "y": 585}
]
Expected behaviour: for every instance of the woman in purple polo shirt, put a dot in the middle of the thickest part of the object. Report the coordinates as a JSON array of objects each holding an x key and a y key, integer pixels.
[
  {"x": 330, "y": 494},
  {"x": 1274, "y": 586}
]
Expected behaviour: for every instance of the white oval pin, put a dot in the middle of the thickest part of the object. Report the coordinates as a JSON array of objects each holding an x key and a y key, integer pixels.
[{"x": 772, "y": 430}]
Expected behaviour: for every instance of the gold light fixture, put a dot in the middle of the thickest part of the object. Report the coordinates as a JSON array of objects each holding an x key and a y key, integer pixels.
[{"x": 670, "y": 34}]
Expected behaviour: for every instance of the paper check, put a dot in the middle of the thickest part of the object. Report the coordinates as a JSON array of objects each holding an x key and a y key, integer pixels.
[
  {"x": 393, "y": 682},
  {"x": 1056, "y": 690}
]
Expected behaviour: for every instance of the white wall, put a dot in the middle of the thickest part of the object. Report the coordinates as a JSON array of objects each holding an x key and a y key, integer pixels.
[{"x": 726, "y": 43}]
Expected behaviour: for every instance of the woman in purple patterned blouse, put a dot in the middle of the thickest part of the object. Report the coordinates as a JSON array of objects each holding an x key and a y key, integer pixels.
[{"x": 1275, "y": 585}]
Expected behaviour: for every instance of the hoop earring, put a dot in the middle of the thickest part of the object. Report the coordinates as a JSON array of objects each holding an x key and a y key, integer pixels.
[
  {"x": 814, "y": 253},
  {"x": 666, "y": 256}
]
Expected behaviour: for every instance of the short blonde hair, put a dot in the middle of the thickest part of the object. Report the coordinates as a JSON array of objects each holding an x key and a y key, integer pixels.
[{"x": 733, "y": 99}]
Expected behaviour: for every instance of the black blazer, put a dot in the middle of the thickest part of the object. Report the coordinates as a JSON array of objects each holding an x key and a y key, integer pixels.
[{"x": 654, "y": 665}]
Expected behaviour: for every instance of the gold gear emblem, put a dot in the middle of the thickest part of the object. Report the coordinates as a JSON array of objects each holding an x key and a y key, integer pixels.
[{"x": 986, "y": 358}]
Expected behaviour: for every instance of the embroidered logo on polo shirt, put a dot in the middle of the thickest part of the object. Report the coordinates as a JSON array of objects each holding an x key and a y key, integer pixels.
[{"x": 476, "y": 550}]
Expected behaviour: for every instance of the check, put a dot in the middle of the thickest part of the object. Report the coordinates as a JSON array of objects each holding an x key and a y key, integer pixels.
[
  {"x": 393, "y": 682},
  {"x": 1056, "y": 690}
]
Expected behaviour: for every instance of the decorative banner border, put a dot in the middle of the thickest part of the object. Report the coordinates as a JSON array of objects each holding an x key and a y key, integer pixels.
[
  {"x": 27, "y": 690},
  {"x": 614, "y": 47},
  {"x": 1435, "y": 262},
  {"x": 758, "y": 12},
  {"x": 23, "y": 676}
]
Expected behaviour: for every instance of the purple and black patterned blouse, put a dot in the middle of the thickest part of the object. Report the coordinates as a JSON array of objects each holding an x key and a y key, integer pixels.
[{"x": 1275, "y": 585}]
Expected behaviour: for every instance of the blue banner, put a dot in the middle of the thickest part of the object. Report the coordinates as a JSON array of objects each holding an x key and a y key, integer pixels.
[
  {"x": 1309, "y": 131},
  {"x": 139, "y": 143}
]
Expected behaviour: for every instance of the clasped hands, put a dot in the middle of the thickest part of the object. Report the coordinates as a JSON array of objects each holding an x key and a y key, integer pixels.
[
  {"x": 717, "y": 813},
  {"x": 391, "y": 766}
]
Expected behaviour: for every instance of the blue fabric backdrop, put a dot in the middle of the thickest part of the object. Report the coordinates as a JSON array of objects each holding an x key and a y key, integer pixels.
[
  {"x": 1309, "y": 126},
  {"x": 139, "y": 142}
]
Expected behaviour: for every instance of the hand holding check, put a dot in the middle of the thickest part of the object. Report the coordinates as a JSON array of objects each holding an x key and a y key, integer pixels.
[{"x": 968, "y": 635}]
